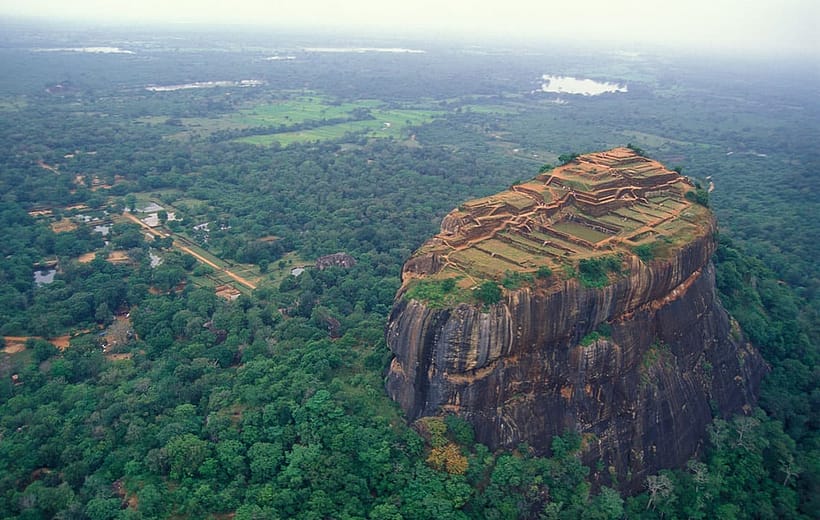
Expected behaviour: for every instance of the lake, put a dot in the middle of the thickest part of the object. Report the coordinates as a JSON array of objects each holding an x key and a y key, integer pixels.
[{"x": 584, "y": 87}]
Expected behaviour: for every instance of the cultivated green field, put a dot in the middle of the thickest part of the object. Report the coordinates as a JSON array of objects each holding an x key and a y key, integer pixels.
[
  {"x": 386, "y": 123},
  {"x": 367, "y": 116},
  {"x": 651, "y": 140},
  {"x": 490, "y": 109}
]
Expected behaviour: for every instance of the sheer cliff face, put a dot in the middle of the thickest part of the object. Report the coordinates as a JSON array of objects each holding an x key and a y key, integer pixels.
[
  {"x": 526, "y": 368},
  {"x": 518, "y": 372}
]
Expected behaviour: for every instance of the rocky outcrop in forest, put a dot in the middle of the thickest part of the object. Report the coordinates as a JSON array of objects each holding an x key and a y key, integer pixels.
[{"x": 637, "y": 356}]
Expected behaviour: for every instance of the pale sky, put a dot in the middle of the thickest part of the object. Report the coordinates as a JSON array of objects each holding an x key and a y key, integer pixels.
[{"x": 778, "y": 26}]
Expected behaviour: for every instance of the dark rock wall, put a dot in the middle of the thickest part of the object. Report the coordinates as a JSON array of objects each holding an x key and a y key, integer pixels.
[{"x": 641, "y": 398}]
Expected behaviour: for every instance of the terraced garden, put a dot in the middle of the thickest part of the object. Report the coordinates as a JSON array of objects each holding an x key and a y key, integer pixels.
[{"x": 597, "y": 205}]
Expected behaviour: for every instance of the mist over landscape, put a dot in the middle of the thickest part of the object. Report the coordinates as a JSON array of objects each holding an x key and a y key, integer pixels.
[{"x": 251, "y": 258}]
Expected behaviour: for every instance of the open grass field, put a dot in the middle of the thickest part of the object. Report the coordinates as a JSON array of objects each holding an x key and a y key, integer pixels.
[
  {"x": 281, "y": 269},
  {"x": 322, "y": 133},
  {"x": 625, "y": 224},
  {"x": 580, "y": 231},
  {"x": 540, "y": 246},
  {"x": 490, "y": 109},
  {"x": 655, "y": 212},
  {"x": 563, "y": 244},
  {"x": 577, "y": 185},
  {"x": 525, "y": 241},
  {"x": 676, "y": 228},
  {"x": 517, "y": 200},
  {"x": 538, "y": 186},
  {"x": 386, "y": 123},
  {"x": 480, "y": 264},
  {"x": 12, "y": 103},
  {"x": 284, "y": 112},
  {"x": 506, "y": 250},
  {"x": 669, "y": 204},
  {"x": 631, "y": 219},
  {"x": 637, "y": 215},
  {"x": 650, "y": 140},
  {"x": 190, "y": 201},
  {"x": 312, "y": 108}
]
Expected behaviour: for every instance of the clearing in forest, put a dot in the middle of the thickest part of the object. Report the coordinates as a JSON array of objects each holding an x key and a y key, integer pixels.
[
  {"x": 63, "y": 225},
  {"x": 302, "y": 118}
]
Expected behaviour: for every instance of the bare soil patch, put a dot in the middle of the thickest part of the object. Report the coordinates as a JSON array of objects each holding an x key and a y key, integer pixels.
[
  {"x": 14, "y": 348},
  {"x": 63, "y": 226},
  {"x": 61, "y": 342},
  {"x": 118, "y": 257},
  {"x": 118, "y": 334},
  {"x": 228, "y": 292},
  {"x": 16, "y": 344},
  {"x": 46, "y": 166}
]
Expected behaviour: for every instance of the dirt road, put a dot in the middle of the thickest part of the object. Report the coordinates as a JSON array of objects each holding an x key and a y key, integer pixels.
[{"x": 177, "y": 243}]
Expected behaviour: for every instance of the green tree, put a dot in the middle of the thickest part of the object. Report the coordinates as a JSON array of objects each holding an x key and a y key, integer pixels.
[
  {"x": 186, "y": 453},
  {"x": 488, "y": 293},
  {"x": 103, "y": 508},
  {"x": 543, "y": 272},
  {"x": 265, "y": 459},
  {"x": 606, "y": 505},
  {"x": 567, "y": 158},
  {"x": 130, "y": 202}
]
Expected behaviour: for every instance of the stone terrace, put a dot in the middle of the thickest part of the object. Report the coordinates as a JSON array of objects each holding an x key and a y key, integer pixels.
[{"x": 598, "y": 204}]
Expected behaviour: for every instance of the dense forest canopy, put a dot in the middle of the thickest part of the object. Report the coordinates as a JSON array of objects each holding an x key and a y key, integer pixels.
[{"x": 200, "y": 365}]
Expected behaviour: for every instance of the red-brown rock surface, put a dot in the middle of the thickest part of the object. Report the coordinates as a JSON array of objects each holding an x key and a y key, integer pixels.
[{"x": 527, "y": 368}]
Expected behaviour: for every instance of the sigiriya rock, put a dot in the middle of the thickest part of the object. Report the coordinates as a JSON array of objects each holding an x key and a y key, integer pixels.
[{"x": 583, "y": 300}]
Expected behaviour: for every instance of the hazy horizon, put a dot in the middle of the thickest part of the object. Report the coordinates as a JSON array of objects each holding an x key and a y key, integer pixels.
[{"x": 784, "y": 28}]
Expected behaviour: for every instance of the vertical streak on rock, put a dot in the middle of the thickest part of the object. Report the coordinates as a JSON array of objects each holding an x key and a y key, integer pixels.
[{"x": 642, "y": 397}]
